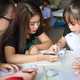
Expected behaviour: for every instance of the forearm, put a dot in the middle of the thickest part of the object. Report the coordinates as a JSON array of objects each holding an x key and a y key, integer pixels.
[
  {"x": 19, "y": 58},
  {"x": 44, "y": 45},
  {"x": 13, "y": 57},
  {"x": 16, "y": 58}
]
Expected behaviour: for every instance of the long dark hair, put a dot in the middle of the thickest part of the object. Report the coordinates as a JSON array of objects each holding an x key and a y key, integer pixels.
[{"x": 25, "y": 13}]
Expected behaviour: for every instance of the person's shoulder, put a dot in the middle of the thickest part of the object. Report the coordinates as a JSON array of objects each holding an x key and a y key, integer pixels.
[{"x": 71, "y": 34}]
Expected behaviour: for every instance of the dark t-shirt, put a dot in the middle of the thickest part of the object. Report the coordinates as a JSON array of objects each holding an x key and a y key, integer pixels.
[
  {"x": 3, "y": 39},
  {"x": 13, "y": 40},
  {"x": 2, "y": 55},
  {"x": 2, "y": 43}
]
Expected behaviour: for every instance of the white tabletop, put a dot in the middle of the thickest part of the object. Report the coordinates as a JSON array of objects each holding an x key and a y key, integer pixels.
[{"x": 60, "y": 70}]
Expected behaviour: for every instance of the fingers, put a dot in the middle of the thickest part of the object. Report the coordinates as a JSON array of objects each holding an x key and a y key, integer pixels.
[
  {"x": 10, "y": 67},
  {"x": 53, "y": 58},
  {"x": 29, "y": 70},
  {"x": 15, "y": 67},
  {"x": 54, "y": 48},
  {"x": 77, "y": 69},
  {"x": 6, "y": 66},
  {"x": 76, "y": 66}
]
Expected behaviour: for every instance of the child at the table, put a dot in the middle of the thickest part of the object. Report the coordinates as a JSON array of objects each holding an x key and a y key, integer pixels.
[{"x": 72, "y": 17}]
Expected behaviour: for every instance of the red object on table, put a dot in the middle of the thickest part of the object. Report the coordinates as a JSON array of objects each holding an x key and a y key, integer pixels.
[{"x": 15, "y": 78}]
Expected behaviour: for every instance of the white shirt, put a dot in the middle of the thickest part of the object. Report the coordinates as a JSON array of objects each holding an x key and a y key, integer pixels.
[{"x": 73, "y": 41}]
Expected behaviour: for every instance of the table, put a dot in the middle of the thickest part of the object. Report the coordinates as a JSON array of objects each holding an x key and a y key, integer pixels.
[{"x": 60, "y": 70}]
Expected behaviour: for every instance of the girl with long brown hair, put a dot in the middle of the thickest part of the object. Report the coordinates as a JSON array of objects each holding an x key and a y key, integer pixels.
[{"x": 28, "y": 28}]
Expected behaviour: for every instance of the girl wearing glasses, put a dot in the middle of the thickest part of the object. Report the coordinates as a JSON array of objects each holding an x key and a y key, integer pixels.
[{"x": 21, "y": 46}]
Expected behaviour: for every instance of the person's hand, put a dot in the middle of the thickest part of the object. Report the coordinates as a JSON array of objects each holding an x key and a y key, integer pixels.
[
  {"x": 50, "y": 58},
  {"x": 53, "y": 58},
  {"x": 76, "y": 66},
  {"x": 54, "y": 48},
  {"x": 11, "y": 67},
  {"x": 24, "y": 74},
  {"x": 33, "y": 50},
  {"x": 29, "y": 70},
  {"x": 31, "y": 73}
]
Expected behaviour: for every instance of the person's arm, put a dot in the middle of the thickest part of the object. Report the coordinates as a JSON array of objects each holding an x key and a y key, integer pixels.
[
  {"x": 12, "y": 57},
  {"x": 59, "y": 45},
  {"x": 12, "y": 67},
  {"x": 76, "y": 65},
  {"x": 15, "y": 70},
  {"x": 45, "y": 42},
  {"x": 61, "y": 42}
]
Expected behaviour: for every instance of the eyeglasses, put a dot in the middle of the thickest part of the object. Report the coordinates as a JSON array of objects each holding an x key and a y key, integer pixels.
[{"x": 6, "y": 18}]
